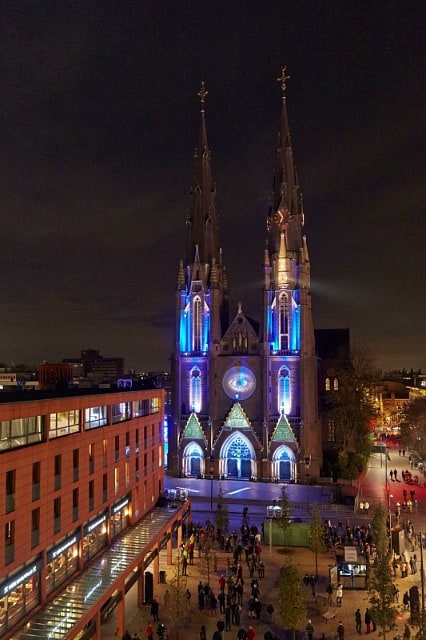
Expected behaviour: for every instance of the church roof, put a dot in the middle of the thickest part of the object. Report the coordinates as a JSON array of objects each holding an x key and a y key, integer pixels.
[
  {"x": 193, "y": 429},
  {"x": 283, "y": 431}
]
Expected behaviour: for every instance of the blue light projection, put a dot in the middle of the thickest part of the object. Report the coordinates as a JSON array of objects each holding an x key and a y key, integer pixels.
[
  {"x": 186, "y": 342},
  {"x": 284, "y": 395}
]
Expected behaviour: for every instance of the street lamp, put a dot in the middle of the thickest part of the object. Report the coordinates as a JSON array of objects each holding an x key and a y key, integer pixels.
[
  {"x": 211, "y": 481},
  {"x": 390, "y": 496},
  {"x": 307, "y": 462}
]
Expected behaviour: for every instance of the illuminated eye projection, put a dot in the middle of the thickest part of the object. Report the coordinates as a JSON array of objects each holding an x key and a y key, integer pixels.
[
  {"x": 239, "y": 383},
  {"x": 195, "y": 390}
]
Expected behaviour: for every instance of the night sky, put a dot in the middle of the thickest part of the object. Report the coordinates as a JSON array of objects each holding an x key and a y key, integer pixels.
[{"x": 99, "y": 120}]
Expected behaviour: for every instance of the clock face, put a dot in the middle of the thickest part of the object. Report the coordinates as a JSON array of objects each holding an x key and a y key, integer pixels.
[{"x": 239, "y": 383}]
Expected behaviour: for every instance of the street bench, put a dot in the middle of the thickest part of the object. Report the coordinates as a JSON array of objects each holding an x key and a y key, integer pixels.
[{"x": 330, "y": 614}]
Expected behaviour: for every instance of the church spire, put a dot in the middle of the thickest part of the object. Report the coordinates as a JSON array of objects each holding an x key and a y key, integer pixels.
[
  {"x": 202, "y": 218},
  {"x": 285, "y": 215}
]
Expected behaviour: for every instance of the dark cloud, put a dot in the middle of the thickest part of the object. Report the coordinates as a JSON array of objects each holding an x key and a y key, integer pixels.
[{"x": 99, "y": 120}]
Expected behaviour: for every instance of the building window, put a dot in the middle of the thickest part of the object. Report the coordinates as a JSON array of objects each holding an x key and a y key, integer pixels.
[
  {"x": 91, "y": 458},
  {"x": 154, "y": 405},
  {"x": 141, "y": 408},
  {"x": 283, "y": 322},
  {"x": 75, "y": 464},
  {"x": 105, "y": 487},
  {"x": 20, "y": 432},
  {"x": 104, "y": 453},
  {"x": 56, "y": 515},
  {"x": 95, "y": 417},
  {"x": 9, "y": 541},
  {"x": 327, "y": 384},
  {"x": 121, "y": 412},
  {"x": 331, "y": 431},
  {"x": 57, "y": 472},
  {"x": 36, "y": 481},
  {"x": 91, "y": 495},
  {"x": 197, "y": 320},
  {"x": 117, "y": 448},
  {"x": 195, "y": 389},
  {"x": 35, "y": 527},
  {"x": 127, "y": 474},
  {"x": 137, "y": 440},
  {"x": 335, "y": 384},
  {"x": 127, "y": 449},
  {"x": 137, "y": 468},
  {"x": 116, "y": 481},
  {"x": 10, "y": 490},
  {"x": 75, "y": 499},
  {"x": 64, "y": 423},
  {"x": 284, "y": 396}
]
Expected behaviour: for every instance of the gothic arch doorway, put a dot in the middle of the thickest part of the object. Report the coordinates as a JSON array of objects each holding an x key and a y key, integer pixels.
[
  {"x": 283, "y": 465},
  {"x": 193, "y": 460},
  {"x": 237, "y": 457}
]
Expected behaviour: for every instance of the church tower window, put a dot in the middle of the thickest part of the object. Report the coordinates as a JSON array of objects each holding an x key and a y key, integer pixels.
[
  {"x": 195, "y": 390},
  {"x": 283, "y": 322},
  {"x": 284, "y": 396},
  {"x": 197, "y": 324}
]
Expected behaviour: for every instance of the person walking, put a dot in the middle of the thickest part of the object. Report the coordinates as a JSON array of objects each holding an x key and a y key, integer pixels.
[
  {"x": 149, "y": 631},
  {"x": 329, "y": 592},
  {"x": 154, "y": 610},
  {"x": 341, "y": 631},
  {"x": 367, "y": 620},
  {"x": 251, "y": 633},
  {"x": 339, "y": 595},
  {"x": 358, "y": 621},
  {"x": 203, "y": 634},
  {"x": 310, "y": 630}
]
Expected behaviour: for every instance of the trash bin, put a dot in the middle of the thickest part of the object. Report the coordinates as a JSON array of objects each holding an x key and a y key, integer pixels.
[{"x": 162, "y": 577}]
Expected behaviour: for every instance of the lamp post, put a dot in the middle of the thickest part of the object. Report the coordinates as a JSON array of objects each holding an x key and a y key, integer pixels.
[
  {"x": 390, "y": 496},
  {"x": 211, "y": 481},
  {"x": 307, "y": 463}
]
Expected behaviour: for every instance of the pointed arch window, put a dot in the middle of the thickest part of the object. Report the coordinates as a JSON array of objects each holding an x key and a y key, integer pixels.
[
  {"x": 336, "y": 384},
  {"x": 327, "y": 384},
  {"x": 283, "y": 322},
  {"x": 284, "y": 392},
  {"x": 195, "y": 390},
  {"x": 197, "y": 322}
]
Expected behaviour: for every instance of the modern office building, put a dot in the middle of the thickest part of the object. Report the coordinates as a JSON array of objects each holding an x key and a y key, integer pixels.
[
  {"x": 245, "y": 392},
  {"x": 77, "y": 469}
]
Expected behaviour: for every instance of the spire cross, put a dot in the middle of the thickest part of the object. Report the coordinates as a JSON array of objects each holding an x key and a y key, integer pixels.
[
  {"x": 283, "y": 78},
  {"x": 202, "y": 95}
]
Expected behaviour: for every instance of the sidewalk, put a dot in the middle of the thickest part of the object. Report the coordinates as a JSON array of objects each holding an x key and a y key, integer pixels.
[{"x": 374, "y": 488}]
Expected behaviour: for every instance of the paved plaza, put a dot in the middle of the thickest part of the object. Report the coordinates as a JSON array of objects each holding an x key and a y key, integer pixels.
[{"x": 372, "y": 486}]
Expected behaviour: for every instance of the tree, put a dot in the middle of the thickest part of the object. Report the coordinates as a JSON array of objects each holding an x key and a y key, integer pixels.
[
  {"x": 413, "y": 427},
  {"x": 291, "y": 599},
  {"x": 350, "y": 408},
  {"x": 179, "y": 603},
  {"x": 221, "y": 517},
  {"x": 207, "y": 557},
  {"x": 381, "y": 588},
  {"x": 283, "y": 517},
  {"x": 316, "y": 535}
]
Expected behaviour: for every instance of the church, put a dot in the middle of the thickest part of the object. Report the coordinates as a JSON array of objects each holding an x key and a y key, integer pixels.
[{"x": 245, "y": 397}]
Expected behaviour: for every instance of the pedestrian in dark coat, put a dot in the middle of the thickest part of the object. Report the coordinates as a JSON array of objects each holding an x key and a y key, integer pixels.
[
  {"x": 358, "y": 621},
  {"x": 367, "y": 620},
  {"x": 154, "y": 610}
]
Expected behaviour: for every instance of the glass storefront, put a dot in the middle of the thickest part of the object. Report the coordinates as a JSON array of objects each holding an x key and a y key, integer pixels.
[
  {"x": 119, "y": 516},
  {"x": 95, "y": 535},
  {"x": 62, "y": 562},
  {"x": 19, "y": 594}
]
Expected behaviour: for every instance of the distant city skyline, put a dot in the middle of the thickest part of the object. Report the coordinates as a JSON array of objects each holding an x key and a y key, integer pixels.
[{"x": 99, "y": 121}]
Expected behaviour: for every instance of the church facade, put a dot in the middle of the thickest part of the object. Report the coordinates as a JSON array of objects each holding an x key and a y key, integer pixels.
[{"x": 245, "y": 393}]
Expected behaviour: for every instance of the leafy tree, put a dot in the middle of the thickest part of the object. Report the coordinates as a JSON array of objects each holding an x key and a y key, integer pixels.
[
  {"x": 381, "y": 588},
  {"x": 179, "y": 603},
  {"x": 221, "y": 517},
  {"x": 316, "y": 535},
  {"x": 207, "y": 557},
  {"x": 413, "y": 427},
  {"x": 350, "y": 408},
  {"x": 283, "y": 518},
  {"x": 291, "y": 599}
]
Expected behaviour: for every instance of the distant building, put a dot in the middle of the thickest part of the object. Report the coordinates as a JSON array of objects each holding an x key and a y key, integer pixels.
[{"x": 93, "y": 367}]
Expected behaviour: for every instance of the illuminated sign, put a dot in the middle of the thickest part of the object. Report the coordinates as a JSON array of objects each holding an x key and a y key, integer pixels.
[
  {"x": 95, "y": 523},
  {"x": 118, "y": 507},
  {"x": 14, "y": 582},
  {"x": 61, "y": 548}
]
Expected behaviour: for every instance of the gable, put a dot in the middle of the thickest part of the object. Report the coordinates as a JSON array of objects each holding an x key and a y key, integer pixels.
[
  {"x": 193, "y": 429},
  {"x": 283, "y": 432},
  {"x": 237, "y": 418}
]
